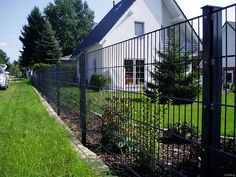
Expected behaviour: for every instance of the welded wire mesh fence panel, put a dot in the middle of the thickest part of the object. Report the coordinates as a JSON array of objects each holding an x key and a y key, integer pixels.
[
  {"x": 45, "y": 82},
  {"x": 146, "y": 112},
  {"x": 144, "y": 97},
  {"x": 59, "y": 84},
  {"x": 69, "y": 89}
]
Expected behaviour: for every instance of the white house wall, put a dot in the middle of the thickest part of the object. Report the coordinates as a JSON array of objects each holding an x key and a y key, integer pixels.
[
  {"x": 90, "y": 56},
  {"x": 154, "y": 14},
  {"x": 140, "y": 11},
  {"x": 228, "y": 47},
  {"x": 93, "y": 61},
  {"x": 150, "y": 13}
]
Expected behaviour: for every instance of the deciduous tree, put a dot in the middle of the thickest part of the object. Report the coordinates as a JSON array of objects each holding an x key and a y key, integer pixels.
[
  {"x": 71, "y": 20},
  {"x": 3, "y": 57}
]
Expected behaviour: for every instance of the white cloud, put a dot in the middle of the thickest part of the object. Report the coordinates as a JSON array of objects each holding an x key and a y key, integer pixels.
[{"x": 3, "y": 44}]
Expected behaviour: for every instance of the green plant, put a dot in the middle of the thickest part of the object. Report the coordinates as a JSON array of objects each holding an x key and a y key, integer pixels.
[
  {"x": 67, "y": 72},
  {"x": 184, "y": 129},
  {"x": 174, "y": 74},
  {"x": 127, "y": 129},
  {"x": 232, "y": 88},
  {"x": 228, "y": 163},
  {"x": 47, "y": 49},
  {"x": 15, "y": 69},
  {"x": 113, "y": 119},
  {"x": 32, "y": 142},
  {"x": 146, "y": 135},
  {"x": 99, "y": 82},
  {"x": 226, "y": 86},
  {"x": 39, "y": 66}
]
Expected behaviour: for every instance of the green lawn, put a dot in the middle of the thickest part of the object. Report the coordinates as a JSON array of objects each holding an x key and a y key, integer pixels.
[
  {"x": 174, "y": 113},
  {"x": 31, "y": 142}
]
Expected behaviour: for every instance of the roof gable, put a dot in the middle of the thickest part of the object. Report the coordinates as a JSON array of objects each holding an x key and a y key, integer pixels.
[
  {"x": 113, "y": 16},
  {"x": 105, "y": 25}
]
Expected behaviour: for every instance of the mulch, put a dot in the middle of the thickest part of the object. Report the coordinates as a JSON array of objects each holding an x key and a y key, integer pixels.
[
  {"x": 183, "y": 157},
  {"x": 177, "y": 156}
]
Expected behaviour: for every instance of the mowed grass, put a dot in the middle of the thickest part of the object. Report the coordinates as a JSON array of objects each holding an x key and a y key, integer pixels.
[
  {"x": 32, "y": 143},
  {"x": 173, "y": 113},
  {"x": 193, "y": 113}
]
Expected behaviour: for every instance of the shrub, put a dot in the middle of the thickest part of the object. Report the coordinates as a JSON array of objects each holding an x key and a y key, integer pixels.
[
  {"x": 232, "y": 88},
  {"x": 39, "y": 66},
  {"x": 128, "y": 129},
  {"x": 184, "y": 129},
  {"x": 146, "y": 135},
  {"x": 67, "y": 72},
  {"x": 113, "y": 118},
  {"x": 228, "y": 163},
  {"x": 99, "y": 82},
  {"x": 15, "y": 70}
]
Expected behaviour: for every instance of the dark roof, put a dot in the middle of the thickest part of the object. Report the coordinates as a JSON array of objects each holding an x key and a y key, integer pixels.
[{"x": 105, "y": 25}]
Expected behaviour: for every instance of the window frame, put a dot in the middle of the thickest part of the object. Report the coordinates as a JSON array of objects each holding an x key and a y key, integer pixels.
[
  {"x": 226, "y": 77},
  {"x": 143, "y": 27},
  {"x": 137, "y": 71}
]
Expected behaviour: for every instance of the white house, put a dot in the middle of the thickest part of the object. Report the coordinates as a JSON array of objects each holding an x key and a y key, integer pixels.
[
  {"x": 127, "y": 62},
  {"x": 229, "y": 50}
]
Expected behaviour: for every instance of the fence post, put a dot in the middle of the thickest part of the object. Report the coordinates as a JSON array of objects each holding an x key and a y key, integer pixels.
[
  {"x": 58, "y": 88},
  {"x": 212, "y": 85},
  {"x": 82, "y": 69}
]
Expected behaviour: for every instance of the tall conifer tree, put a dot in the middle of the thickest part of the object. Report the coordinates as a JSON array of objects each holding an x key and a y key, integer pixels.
[
  {"x": 29, "y": 36},
  {"x": 47, "y": 47},
  {"x": 174, "y": 75}
]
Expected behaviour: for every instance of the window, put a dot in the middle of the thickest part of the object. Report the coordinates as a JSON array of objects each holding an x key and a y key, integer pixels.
[
  {"x": 139, "y": 71},
  {"x": 139, "y": 28},
  {"x": 229, "y": 77},
  {"x": 134, "y": 71},
  {"x": 129, "y": 68}
]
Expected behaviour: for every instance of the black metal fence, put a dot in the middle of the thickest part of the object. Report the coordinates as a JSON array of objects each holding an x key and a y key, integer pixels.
[{"x": 160, "y": 104}]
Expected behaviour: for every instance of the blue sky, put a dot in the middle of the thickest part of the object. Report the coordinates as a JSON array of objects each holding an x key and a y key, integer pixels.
[{"x": 13, "y": 15}]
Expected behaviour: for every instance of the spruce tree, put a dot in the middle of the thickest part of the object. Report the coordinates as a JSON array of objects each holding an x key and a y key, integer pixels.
[
  {"x": 30, "y": 35},
  {"x": 174, "y": 75},
  {"x": 47, "y": 46}
]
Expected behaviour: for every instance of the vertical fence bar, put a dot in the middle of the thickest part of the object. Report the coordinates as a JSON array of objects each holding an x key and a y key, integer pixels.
[
  {"x": 212, "y": 80},
  {"x": 58, "y": 89},
  {"x": 82, "y": 68}
]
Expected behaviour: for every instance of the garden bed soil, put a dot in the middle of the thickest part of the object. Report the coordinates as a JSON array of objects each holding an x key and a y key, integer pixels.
[
  {"x": 183, "y": 156},
  {"x": 173, "y": 155}
]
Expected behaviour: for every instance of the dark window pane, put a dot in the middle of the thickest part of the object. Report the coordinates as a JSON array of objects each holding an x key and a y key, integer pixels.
[
  {"x": 229, "y": 77},
  {"x": 129, "y": 66},
  {"x": 139, "y": 71}
]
